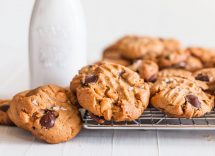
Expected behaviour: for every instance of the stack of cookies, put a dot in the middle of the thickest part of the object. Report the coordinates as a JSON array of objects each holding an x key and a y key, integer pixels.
[
  {"x": 135, "y": 72},
  {"x": 181, "y": 80}
]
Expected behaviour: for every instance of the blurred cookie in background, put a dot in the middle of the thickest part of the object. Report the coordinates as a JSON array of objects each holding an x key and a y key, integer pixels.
[{"x": 4, "y": 118}]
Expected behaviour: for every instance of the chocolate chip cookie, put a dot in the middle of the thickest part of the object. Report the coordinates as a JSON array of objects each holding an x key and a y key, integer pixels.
[
  {"x": 179, "y": 97},
  {"x": 172, "y": 59},
  {"x": 191, "y": 64},
  {"x": 182, "y": 74},
  {"x": 206, "y": 75},
  {"x": 175, "y": 73},
  {"x": 111, "y": 91},
  {"x": 4, "y": 119},
  {"x": 113, "y": 56},
  {"x": 135, "y": 47},
  {"x": 170, "y": 44},
  {"x": 147, "y": 69},
  {"x": 47, "y": 113},
  {"x": 206, "y": 55}
]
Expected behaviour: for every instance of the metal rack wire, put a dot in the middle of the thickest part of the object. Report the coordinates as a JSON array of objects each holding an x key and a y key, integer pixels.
[{"x": 153, "y": 119}]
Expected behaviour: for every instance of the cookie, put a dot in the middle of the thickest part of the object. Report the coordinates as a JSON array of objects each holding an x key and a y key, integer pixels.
[
  {"x": 192, "y": 64},
  {"x": 172, "y": 59},
  {"x": 135, "y": 47},
  {"x": 182, "y": 74},
  {"x": 147, "y": 69},
  {"x": 111, "y": 91},
  {"x": 207, "y": 56},
  {"x": 206, "y": 75},
  {"x": 113, "y": 56},
  {"x": 175, "y": 73},
  {"x": 111, "y": 53},
  {"x": 179, "y": 97},
  {"x": 122, "y": 62},
  {"x": 47, "y": 113},
  {"x": 4, "y": 119},
  {"x": 170, "y": 44}
]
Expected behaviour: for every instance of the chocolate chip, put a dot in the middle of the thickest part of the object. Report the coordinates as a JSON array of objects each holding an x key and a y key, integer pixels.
[
  {"x": 90, "y": 79},
  {"x": 4, "y": 108},
  {"x": 153, "y": 78},
  {"x": 167, "y": 57},
  {"x": 202, "y": 77},
  {"x": 48, "y": 120},
  {"x": 98, "y": 119},
  {"x": 193, "y": 100}
]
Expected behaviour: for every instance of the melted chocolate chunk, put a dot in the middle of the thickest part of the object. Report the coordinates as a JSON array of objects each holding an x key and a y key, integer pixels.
[
  {"x": 98, "y": 119},
  {"x": 202, "y": 77},
  {"x": 193, "y": 100},
  {"x": 4, "y": 108},
  {"x": 90, "y": 79},
  {"x": 48, "y": 120}
]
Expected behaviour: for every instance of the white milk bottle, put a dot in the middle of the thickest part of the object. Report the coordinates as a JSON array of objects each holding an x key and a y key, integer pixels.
[{"x": 57, "y": 42}]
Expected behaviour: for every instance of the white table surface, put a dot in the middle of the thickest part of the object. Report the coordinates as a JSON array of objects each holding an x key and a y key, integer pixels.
[{"x": 17, "y": 142}]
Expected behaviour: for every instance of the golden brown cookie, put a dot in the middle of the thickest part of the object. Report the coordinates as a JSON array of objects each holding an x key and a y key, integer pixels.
[
  {"x": 122, "y": 62},
  {"x": 179, "y": 97},
  {"x": 111, "y": 91},
  {"x": 175, "y": 73},
  {"x": 47, "y": 113},
  {"x": 182, "y": 74},
  {"x": 113, "y": 56},
  {"x": 169, "y": 59},
  {"x": 172, "y": 59},
  {"x": 135, "y": 47},
  {"x": 207, "y": 56},
  {"x": 4, "y": 119},
  {"x": 170, "y": 44},
  {"x": 206, "y": 75},
  {"x": 192, "y": 64},
  {"x": 147, "y": 69},
  {"x": 111, "y": 53}
]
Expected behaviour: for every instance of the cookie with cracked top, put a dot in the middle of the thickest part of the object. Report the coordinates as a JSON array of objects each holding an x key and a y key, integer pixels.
[
  {"x": 4, "y": 119},
  {"x": 182, "y": 74},
  {"x": 111, "y": 91},
  {"x": 175, "y": 73},
  {"x": 47, "y": 113},
  {"x": 179, "y": 97}
]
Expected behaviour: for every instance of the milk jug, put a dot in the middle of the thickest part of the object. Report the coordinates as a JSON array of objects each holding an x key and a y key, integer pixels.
[{"x": 57, "y": 42}]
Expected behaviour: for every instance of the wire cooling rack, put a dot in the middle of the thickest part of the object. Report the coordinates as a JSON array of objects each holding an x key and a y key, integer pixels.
[{"x": 153, "y": 119}]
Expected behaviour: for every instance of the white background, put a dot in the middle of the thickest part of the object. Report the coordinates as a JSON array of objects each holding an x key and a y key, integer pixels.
[{"x": 192, "y": 21}]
